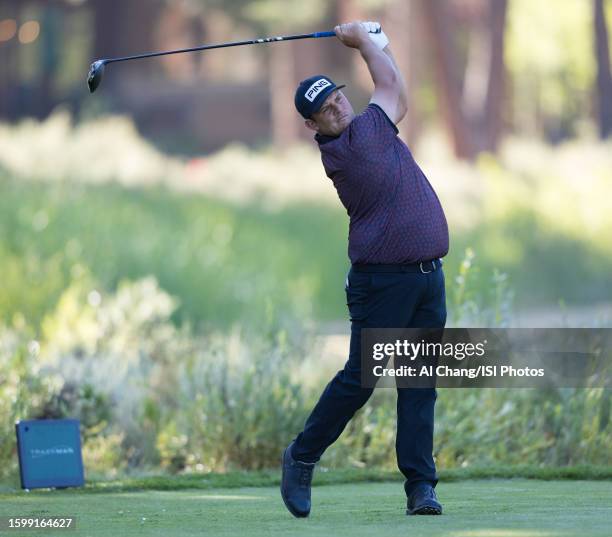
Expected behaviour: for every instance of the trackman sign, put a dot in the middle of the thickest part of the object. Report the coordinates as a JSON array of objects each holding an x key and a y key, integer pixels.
[{"x": 316, "y": 88}]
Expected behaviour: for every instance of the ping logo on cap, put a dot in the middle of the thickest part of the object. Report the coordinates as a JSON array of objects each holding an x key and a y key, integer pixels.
[{"x": 315, "y": 89}]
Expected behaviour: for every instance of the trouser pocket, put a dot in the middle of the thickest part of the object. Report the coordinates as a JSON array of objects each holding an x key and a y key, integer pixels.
[{"x": 357, "y": 286}]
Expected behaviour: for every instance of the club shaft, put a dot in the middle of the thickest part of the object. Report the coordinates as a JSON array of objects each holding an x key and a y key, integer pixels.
[{"x": 223, "y": 45}]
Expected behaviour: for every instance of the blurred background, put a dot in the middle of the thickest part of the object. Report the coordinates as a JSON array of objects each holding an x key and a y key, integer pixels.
[{"x": 171, "y": 242}]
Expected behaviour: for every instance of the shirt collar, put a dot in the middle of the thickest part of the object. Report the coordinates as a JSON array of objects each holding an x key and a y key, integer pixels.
[{"x": 324, "y": 138}]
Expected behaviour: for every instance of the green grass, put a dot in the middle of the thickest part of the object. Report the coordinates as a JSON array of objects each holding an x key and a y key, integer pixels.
[
  {"x": 223, "y": 262},
  {"x": 228, "y": 263},
  {"x": 479, "y": 508},
  {"x": 325, "y": 476}
]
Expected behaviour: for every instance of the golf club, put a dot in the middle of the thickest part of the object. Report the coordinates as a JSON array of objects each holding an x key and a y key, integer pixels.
[{"x": 96, "y": 71}]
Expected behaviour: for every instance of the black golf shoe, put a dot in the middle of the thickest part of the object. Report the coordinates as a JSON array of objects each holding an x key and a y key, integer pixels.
[
  {"x": 295, "y": 484},
  {"x": 423, "y": 501}
]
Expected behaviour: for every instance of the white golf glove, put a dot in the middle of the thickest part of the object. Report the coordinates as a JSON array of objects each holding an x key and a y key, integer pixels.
[{"x": 376, "y": 34}]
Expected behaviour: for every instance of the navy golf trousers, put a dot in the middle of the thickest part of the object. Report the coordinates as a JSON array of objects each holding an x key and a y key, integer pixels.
[{"x": 382, "y": 300}]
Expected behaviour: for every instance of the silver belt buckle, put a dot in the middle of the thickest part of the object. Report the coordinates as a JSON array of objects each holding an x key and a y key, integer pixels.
[{"x": 433, "y": 262}]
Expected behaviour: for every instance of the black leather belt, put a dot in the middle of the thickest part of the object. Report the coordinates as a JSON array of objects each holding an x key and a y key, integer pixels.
[{"x": 424, "y": 267}]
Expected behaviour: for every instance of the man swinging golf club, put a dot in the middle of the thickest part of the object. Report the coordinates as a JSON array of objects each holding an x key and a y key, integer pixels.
[{"x": 397, "y": 235}]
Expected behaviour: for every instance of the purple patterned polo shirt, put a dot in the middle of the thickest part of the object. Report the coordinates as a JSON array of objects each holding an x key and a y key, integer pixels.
[{"x": 395, "y": 215}]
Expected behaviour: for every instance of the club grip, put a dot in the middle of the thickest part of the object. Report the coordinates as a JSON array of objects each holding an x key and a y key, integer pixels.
[{"x": 332, "y": 34}]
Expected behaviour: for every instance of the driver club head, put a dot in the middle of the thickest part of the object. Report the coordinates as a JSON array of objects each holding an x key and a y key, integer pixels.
[{"x": 95, "y": 75}]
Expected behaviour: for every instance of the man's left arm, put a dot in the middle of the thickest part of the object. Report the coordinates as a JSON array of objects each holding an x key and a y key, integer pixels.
[{"x": 394, "y": 103}]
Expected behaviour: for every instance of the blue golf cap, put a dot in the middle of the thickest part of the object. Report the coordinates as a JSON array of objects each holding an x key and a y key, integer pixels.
[{"x": 311, "y": 94}]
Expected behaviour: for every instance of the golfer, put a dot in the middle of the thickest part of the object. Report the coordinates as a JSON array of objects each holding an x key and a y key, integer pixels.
[{"x": 397, "y": 237}]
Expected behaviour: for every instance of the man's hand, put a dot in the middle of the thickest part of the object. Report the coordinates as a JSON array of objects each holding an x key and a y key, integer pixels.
[
  {"x": 352, "y": 34},
  {"x": 389, "y": 86},
  {"x": 375, "y": 33}
]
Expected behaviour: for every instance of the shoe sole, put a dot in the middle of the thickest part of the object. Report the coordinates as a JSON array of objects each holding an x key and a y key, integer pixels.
[
  {"x": 295, "y": 513},
  {"x": 426, "y": 510}
]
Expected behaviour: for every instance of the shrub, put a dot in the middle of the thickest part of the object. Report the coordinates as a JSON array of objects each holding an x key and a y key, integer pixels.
[{"x": 150, "y": 394}]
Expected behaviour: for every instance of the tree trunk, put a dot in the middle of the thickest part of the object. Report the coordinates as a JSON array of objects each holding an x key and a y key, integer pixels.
[
  {"x": 53, "y": 17},
  {"x": 402, "y": 20},
  {"x": 483, "y": 89},
  {"x": 604, "y": 78},
  {"x": 122, "y": 27},
  {"x": 477, "y": 74},
  {"x": 282, "y": 86},
  {"x": 174, "y": 30},
  {"x": 439, "y": 33},
  {"x": 497, "y": 74},
  {"x": 107, "y": 17},
  {"x": 9, "y": 69},
  {"x": 349, "y": 11}
]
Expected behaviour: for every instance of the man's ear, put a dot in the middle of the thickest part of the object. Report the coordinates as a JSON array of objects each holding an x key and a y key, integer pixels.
[{"x": 312, "y": 125}]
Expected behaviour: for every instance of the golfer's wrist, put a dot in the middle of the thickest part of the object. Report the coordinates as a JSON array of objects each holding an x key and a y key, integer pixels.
[{"x": 368, "y": 48}]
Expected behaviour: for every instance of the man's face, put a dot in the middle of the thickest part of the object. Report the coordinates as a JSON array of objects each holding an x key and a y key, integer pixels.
[{"x": 334, "y": 116}]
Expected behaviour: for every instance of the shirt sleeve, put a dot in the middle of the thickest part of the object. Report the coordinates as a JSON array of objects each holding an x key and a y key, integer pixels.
[
  {"x": 369, "y": 137},
  {"x": 371, "y": 129}
]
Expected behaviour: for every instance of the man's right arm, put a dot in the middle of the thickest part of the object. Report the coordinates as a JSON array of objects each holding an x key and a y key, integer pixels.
[{"x": 389, "y": 87}]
